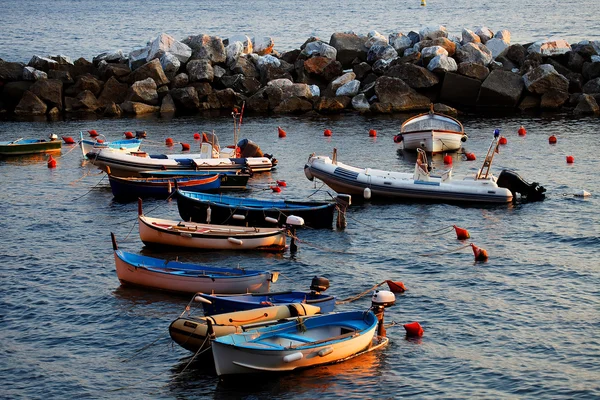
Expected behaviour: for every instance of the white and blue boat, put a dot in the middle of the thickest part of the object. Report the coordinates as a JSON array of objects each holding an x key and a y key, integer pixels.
[{"x": 92, "y": 146}]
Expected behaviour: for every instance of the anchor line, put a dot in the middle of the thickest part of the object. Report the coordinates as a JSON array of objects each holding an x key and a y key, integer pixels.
[
  {"x": 358, "y": 296},
  {"x": 445, "y": 252}
]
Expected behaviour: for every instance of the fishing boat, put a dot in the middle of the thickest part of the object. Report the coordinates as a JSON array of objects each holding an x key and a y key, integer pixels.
[
  {"x": 161, "y": 188},
  {"x": 192, "y": 331},
  {"x": 163, "y": 232},
  {"x": 432, "y": 132},
  {"x": 220, "y": 209},
  {"x": 230, "y": 180},
  {"x": 92, "y": 146},
  {"x": 309, "y": 342},
  {"x": 422, "y": 184},
  {"x": 221, "y": 303},
  {"x": 20, "y": 147},
  {"x": 174, "y": 276}
]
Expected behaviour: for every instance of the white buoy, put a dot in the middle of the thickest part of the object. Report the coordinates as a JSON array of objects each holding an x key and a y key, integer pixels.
[
  {"x": 271, "y": 220},
  {"x": 235, "y": 241},
  {"x": 238, "y": 216},
  {"x": 293, "y": 357},
  {"x": 325, "y": 351},
  {"x": 367, "y": 193},
  {"x": 582, "y": 193}
]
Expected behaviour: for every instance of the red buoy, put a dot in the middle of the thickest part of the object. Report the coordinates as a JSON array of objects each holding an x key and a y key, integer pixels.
[
  {"x": 185, "y": 146},
  {"x": 398, "y": 138},
  {"x": 470, "y": 156},
  {"x": 93, "y": 133},
  {"x": 281, "y": 183},
  {"x": 396, "y": 287},
  {"x": 552, "y": 139},
  {"x": 128, "y": 135},
  {"x": 169, "y": 141},
  {"x": 480, "y": 254},
  {"x": 447, "y": 159},
  {"x": 99, "y": 141},
  {"x": 276, "y": 189},
  {"x": 281, "y": 132},
  {"x": 522, "y": 131},
  {"x": 196, "y": 136},
  {"x": 461, "y": 234},
  {"x": 372, "y": 133},
  {"x": 570, "y": 159},
  {"x": 327, "y": 132},
  {"x": 502, "y": 140},
  {"x": 68, "y": 140},
  {"x": 51, "y": 162},
  {"x": 413, "y": 329}
]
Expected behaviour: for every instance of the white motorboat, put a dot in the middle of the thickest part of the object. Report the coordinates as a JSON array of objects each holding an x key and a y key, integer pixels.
[
  {"x": 432, "y": 132},
  {"x": 92, "y": 146},
  {"x": 422, "y": 184}
]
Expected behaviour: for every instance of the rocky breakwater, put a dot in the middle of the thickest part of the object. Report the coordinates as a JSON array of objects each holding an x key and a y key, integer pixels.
[{"x": 371, "y": 73}]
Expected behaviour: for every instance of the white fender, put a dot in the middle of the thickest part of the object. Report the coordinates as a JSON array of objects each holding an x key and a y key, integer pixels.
[
  {"x": 293, "y": 357},
  {"x": 271, "y": 220},
  {"x": 235, "y": 241},
  {"x": 238, "y": 216},
  {"x": 367, "y": 193},
  {"x": 325, "y": 351}
]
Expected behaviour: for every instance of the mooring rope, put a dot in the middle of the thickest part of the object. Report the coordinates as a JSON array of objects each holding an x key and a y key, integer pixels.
[
  {"x": 315, "y": 246},
  {"x": 93, "y": 187},
  {"x": 445, "y": 252},
  {"x": 358, "y": 296}
]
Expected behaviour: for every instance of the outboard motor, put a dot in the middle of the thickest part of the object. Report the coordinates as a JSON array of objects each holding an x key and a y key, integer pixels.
[
  {"x": 319, "y": 284},
  {"x": 249, "y": 149},
  {"x": 379, "y": 301},
  {"x": 513, "y": 182}
]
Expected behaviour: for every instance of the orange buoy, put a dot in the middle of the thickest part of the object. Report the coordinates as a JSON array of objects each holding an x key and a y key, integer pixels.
[
  {"x": 68, "y": 140},
  {"x": 327, "y": 132},
  {"x": 185, "y": 146},
  {"x": 552, "y": 139},
  {"x": 276, "y": 189},
  {"x": 281, "y": 183},
  {"x": 372, "y": 133},
  {"x": 570, "y": 159},
  {"x": 502, "y": 140},
  {"x": 51, "y": 162},
  {"x": 398, "y": 138},
  {"x": 396, "y": 287},
  {"x": 480, "y": 254},
  {"x": 99, "y": 141},
  {"x": 413, "y": 329},
  {"x": 196, "y": 136},
  {"x": 128, "y": 135},
  {"x": 93, "y": 133},
  {"x": 522, "y": 131},
  {"x": 447, "y": 159},
  {"x": 169, "y": 141},
  {"x": 281, "y": 132},
  {"x": 470, "y": 156},
  {"x": 461, "y": 233}
]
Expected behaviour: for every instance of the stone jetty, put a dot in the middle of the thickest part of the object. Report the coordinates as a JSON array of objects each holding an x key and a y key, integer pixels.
[{"x": 373, "y": 73}]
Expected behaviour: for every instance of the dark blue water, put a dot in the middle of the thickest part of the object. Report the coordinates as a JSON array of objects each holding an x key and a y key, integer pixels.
[{"x": 524, "y": 324}]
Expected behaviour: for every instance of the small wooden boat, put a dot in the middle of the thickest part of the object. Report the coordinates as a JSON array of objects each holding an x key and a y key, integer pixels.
[
  {"x": 22, "y": 146},
  {"x": 192, "y": 331},
  {"x": 174, "y": 276},
  {"x": 133, "y": 188},
  {"x": 229, "y": 179},
  {"x": 92, "y": 146},
  {"x": 312, "y": 341},
  {"x": 432, "y": 132},
  {"x": 422, "y": 184},
  {"x": 220, "y": 303},
  {"x": 220, "y": 209},
  {"x": 163, "y": 232}
]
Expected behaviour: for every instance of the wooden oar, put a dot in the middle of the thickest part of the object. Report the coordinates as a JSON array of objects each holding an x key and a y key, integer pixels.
[{"x": 15, "y": 141}]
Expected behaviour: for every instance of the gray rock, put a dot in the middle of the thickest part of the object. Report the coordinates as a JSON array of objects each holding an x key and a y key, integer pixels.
[
  {"x": 219, "y": 71},
  {"x": 554, "y": 99},
  {"x": 381, "y": 52},
  {"x": 11, "y": 71},
  {"x": 442, "y": 64},
  {"x": 380, "y": 67},
  {"x": 474, "y": 52},
  {"x": 245, "y": 67},
  {"x": 587, "y": 105},
  {"x": 550, "y": 48},
  {"x": 501, "y": 89},
  {"x": 85, "y": 82},
  {"x": 200, "y": 71},
  {"x": 592, "y": 86},
  {"x": 241, "y": 84},
  {"x": 484, "y": 33},
  {"x": 590, "y": 70},
  {"x": 545, "y": 78},
  {"x": 245, "y": 41},
  {"x": 445, "y": 43},
  {"x": 497, "y": 46},
  {"x": 115, "y": 56},
  {"x": 131, "y": 107},
  {"x": 30, "y": 105},
  {"x": 399, "y": 95},
  {"x": 315, "y": 91},
  {"x": 112, "y": 92},
  {"x": 399, "y": 42},
  {"x": 348, "y": 89},
  {"x": 167, "y": 44},
  {"x": 170, "y": 65},
  {"x": 341, "y": 81},
  {"x": 42, "y": 63},
  {"x": 143, "y": 92},
  {"x": 360, "y": 103},
  {"x": 349, "y": 47},
  {"x": 414, "y": 37},
  {"x": 293, "y": 105},
  {"x": 138, "y": 57},
  {"x": 280, "y": 83},
  {"x": 516, "y": 53},
  {"x": 460, "y": 89},
  {"x": 318, "y": 48},
  {"x": 414, "y": 76},
  {"x": 530, "y": 102},
  {"x": 432, "y": 32},
  {"x": 263, "y": 46},
  {"x": 428, "y": 53},
  {"x": 50, "y": 91},
  {"x": 473, "y": 70},
  {"x": 151, "y": 69},
  {"x": 468, "y": 36},
  {"x": 112, "y": 110},
  {"x": 180, "y": 80},
  {"x": 32, "y": 74},
  {"x": 186, "y": 98},
  {"x": 207, "y": 47},
  {"x": 375, "y": 38}
]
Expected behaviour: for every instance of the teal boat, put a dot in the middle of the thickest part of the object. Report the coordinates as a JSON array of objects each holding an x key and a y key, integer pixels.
[{"x": 22, "y": 146}]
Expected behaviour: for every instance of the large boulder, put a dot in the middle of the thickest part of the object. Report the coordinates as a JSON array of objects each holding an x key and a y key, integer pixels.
[
  {"x": 266, "y": 99},
  {"x": 349, "y": 89},
  {"x": 399, "y": 95},
  {"x": 12, "y": 92},
  {"x": 300, "y": 90},
  {"x": 293, "y": 105},
  {"x": 592, "y": 86},
  {"x": 137, "y": 57},
  {"x": 516, "y": 53},
  {"x": 30, "y": 105},
  {"x": 50, "y": 91},
  {"x": 360, "y": 103},
  {"x": 554, "y": 99},
  {"x": 473, "y": 70},
  {"x": 113, "y": 92},
  {"x": 170, "y": 65},
  {"x": 591, "y": 70},
  {"x": 106, "y": 70},
  {"x": 323, "y": 68},
  {"x": 167, "y": 44},
  {"x": 42, "y": 63},
  {"x": 115, "y": 56},
  {"x": 271, "y": 68},
  {"x": 167, "y": 105},
  {"x": 381, "y": 52},
  {"x": 460, "y": 89},
  {"x": 433, "y": 32},
  {"x": 341, "y": 81},
  {"x": 501, "y": 89},
  {"x": 143, "y": 92},
  {"x": 207, "y": 47},
  {"x": 545, "y": 78},
  {"x": 11, "y": 71},
  {"x": 329, "y": 105},
  {"x": 375, "y": 38},
  {"x": 63, "y": 76},
  {"x": 180, "y": 80},
  {"x": 399, "y": 42},
  {"x": 550, "y": 48},
  {"x": 497, "y": 46},
  {"x": 245, "y": 66},
  {"x": 85, "y": 82},
  {"x": 32, "y": 74},
  {"x": 200, "y": 71},
  {"x": 233, "y": 51},
  {"x": 474, "y": 52},
  {"x": 85, "y": 102},
  {"x": 241, "y": 84},
  {"x": 484, "y": 34},
  {"x": 442, "y": 64},
  {"x": 428, "y": 53},
  {"x": 468, "y": 36},
  {"x": 263, "y": 46},
  {"x": 244, "y": 40},
  {"x": 587, "y": 104},
  {"x": 132, "y": 107},
  {"x": 152, "y": 69},
  {"x": 414, "y": 76},
  {"x": 319, "y": 48},
  {"x": 443, "y": 42},
  {"x": 229, "y": 99},
  {"x": 186, "y": 98},
  {"x": 349, "y": 47}
]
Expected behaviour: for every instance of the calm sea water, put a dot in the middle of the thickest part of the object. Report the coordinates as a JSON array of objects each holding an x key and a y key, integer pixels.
[{"x": 524, "y": 324}]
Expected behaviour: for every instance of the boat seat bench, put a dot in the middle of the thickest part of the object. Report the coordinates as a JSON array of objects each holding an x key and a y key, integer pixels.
[{"x": 297, "y": 338}]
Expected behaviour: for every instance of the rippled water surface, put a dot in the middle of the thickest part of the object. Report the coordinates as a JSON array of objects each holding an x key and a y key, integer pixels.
[{"x": 523, "y": 324}]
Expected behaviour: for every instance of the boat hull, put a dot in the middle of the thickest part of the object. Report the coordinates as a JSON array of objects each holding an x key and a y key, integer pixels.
[
  {"x": 324, "y": 340},
  {"x": 433, "y": 141},
  {"x": 161, "y": 188},
  {"x": 161, "y": 232},
  {"x": 229, "y": 180},
  {"x": 226, "y": 304},
  {"x": 124, "y": 146},
  {"x": 251, "y": 212},
  {"x": 29, "y": 146},
  {"x": 177, "y": 277}
]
